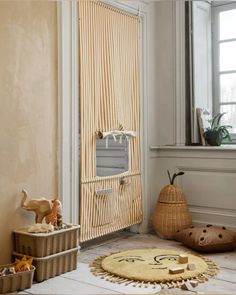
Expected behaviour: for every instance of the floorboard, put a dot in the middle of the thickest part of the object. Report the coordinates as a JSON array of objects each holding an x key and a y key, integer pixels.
[{"x": 81, "y": 281}]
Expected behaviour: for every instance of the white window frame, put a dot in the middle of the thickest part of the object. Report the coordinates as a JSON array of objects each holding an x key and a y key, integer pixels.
[
  {"x": 216, "y": 9},
  {"x": 196, "y": 99}
]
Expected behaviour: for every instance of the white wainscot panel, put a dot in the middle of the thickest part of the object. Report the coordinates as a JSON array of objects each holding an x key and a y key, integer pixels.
[
  {"x": 210, "y": 188},
  {"x": 211, "y": 195},
  {"x": 209, "y": 181}
]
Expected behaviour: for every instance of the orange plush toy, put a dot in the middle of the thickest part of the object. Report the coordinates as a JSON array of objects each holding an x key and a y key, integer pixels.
[
  {"x": 23, "y": 264},
  {"x": 55, "y": 217}
]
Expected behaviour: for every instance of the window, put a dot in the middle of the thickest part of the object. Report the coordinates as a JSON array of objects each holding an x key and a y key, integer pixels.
[
  {"x": 224, "y": 62},
  {"x": 212, "y": 63}
]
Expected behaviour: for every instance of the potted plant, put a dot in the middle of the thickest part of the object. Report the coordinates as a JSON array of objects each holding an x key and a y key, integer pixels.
[{"x": 216, "y": 133}]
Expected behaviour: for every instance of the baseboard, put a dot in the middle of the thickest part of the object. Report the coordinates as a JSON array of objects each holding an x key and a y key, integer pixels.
[
  {"x": 201, "y": 219},
  {"x": 201, "y": 223},
  {"x": 143, "y": 228},
  {"x": 206, "y": 215}
]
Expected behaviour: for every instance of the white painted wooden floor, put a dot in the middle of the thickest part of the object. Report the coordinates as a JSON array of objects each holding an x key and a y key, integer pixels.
[{"x": 81, "y": 281}]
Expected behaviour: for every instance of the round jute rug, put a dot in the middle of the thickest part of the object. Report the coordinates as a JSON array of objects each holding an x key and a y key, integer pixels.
[{"x": 145, "y": 267}]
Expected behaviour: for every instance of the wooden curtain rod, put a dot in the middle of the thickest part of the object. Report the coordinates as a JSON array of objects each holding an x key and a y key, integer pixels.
[
  {"x": 115, "y": 9},
  {"x": 114, "y": 133}
]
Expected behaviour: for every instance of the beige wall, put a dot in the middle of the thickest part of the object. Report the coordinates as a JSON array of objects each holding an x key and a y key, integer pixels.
[{"x": 28, "y": 110}]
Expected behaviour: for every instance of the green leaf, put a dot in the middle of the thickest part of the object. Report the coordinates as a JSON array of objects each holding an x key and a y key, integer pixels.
[
  {"x": 175, "y": 175},
  {"x": 173, "y": 178},
  {"x": 220, "y": 115},
  {"x": 180, "y": 173},
  {"x": 169, "y": 175}
]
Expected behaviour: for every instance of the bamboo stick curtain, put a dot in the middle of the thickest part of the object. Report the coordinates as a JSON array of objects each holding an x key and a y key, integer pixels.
[{"x": 109, "y": 98}]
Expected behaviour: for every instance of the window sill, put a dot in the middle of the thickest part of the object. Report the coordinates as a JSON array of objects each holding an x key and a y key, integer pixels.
[
  {"x": 225, "y": 147},
  {"x": 201, "y": 152}
]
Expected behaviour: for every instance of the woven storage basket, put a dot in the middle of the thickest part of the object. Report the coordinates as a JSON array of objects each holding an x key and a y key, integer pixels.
[
  {"x": 15, "y": 282},
  {"x": 45, "y": 244},
  {"x": 53, "y": 265},
  {"x": 171, "y": 212}
]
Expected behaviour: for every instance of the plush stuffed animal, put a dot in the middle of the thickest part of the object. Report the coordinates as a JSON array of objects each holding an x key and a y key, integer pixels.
[
  {"x": 55, "y": 216},
  {"x": 41, "y": 228},
  {"x": 23, "y": 264},
  {"x": 41, "y": 207}
]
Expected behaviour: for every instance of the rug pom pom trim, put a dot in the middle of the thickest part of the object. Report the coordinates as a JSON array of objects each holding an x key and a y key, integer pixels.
[{"x": 97, "y": 270}]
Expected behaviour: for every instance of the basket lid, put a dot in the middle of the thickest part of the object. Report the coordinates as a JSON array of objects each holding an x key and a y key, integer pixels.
[{"x": 172, "y": 193}]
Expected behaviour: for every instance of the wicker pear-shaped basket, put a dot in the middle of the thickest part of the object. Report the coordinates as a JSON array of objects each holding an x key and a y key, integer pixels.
[{"x": 171, "y": 212}]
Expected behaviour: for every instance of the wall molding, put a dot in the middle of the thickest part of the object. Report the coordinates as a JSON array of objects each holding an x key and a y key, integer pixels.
[
  {"x": 213, "y": 211},
  {"x": 207, "y": 215},
  {"x": 210, "y": 210},
  {"x": 179, "y": 75},
  {"x": 206, "y": 169},
  {"x": 193, "y": 152},
  {"x": 208, "y": 184},
  {"x": 144, "y": 227},
  {"x": 68, "y": 109}
]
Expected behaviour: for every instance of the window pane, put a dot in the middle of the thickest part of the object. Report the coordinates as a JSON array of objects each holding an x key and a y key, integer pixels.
[
  {"x": 230, "y": 117},
  {"x": 228, "y": 24},
  {"x": 228, "y": 56},
  {"x": 228, "y": 87}
]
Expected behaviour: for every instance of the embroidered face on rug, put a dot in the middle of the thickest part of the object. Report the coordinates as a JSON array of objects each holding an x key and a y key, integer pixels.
[
  {"x": 162, "y": 261},
  {"x": 151, "y": 265}
]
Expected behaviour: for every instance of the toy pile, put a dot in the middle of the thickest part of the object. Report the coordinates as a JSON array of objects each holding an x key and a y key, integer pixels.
[
  {"x": 44, "y": 250},
  {"x": 20, "y": 265},
  {"x": 52, "y": 244},
  {"x": 44, "y": 209},
  {"x": 16, "y": 276}
]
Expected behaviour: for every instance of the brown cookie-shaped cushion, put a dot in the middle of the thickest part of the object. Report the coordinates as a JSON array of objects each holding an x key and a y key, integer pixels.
[{"x": 207, "y": 239}]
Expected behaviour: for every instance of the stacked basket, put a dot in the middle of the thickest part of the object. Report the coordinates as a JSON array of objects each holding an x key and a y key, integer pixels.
[
  {"x": 17, "y": 281},
  {"x": 171, "y": 213},
  {"x": 53, "y": 253}
]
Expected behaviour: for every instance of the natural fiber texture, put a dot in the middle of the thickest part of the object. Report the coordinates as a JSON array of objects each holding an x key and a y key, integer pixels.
[
  {"x": 172, "y": 194},
  {"x": 171, "y": 212},
  {"x": 124, "y": 207},
  {"x": 145, "y": 267},
  {"x": 109, "y": 98},
  {"x": 168, "y": 218}
]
